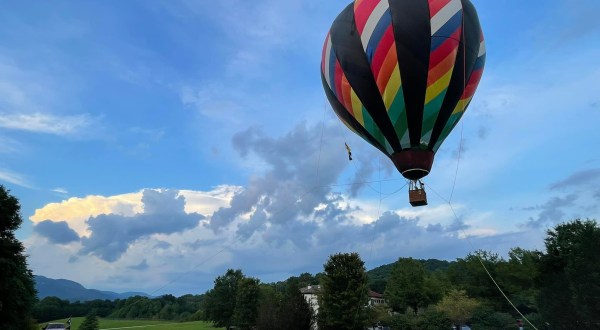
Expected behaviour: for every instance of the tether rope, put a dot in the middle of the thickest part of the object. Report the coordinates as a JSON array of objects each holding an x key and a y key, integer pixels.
[{"x": 480, "y": 260}]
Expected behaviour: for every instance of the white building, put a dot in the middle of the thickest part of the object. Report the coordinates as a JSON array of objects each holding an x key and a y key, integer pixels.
[{"x": 312, "y": 292}]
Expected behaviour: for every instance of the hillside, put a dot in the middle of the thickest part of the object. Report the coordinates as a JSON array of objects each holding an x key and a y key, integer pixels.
[
  {"x": 73, "y": 291},
  {"x": 378, "y": 276}
]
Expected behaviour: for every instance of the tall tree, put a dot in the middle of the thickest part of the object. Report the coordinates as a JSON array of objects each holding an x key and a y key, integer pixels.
[
  {"x": 342, "y": 304},
  {"x": 17, "y": 287},
  {"x": 569, "y": 277},
  {"x": 295, "y": 312},
  {"x": 285, "y": 310},
  {"x": 517, "y": 278},
  {"x": 219, "y": 304},
  {"x": 406, "y": 286},
  {"x": 268, "y": 306},
  {"x": 246, "y": 303}
]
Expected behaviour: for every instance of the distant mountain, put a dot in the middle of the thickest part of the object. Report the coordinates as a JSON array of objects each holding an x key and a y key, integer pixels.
[
  {"x": 73, "y": 291},
  {"x": 378, "y": 276}
]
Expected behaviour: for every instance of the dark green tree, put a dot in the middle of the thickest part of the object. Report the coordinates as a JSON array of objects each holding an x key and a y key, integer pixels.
[
  {"x": 486, "y": 318},
  {"x": 517, "y": 278},
  {"x": 569, "y": 276},
  {"x": 268, "y": 306},
  {"x": 435, "y": 286},
  {"x": 406, "y": 286},
  {"x": 294, "y": 312},
  {"x": 342, "y": 304},
  {"x": 285, "y": 309},
  {"x": 90, "y": 322},
  {"x": 219, "y": 304},
  {"x": 432, "y": 319},
  {"x": 246, "y": 303},
  {"x": 468, "y": 274},
  {"x": 17, "y": 287}
]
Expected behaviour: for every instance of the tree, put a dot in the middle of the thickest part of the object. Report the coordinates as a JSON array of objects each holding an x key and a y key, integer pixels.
[
  {"x": 517, "y": 278},
  {"x": 246, "y": 303},
  {"x": 485, "y": 317},
  {"x": 406, "y": 286},
  {"x": 569, "y": 277},
  {"x": 17, "y": 287},
  {"x": 458, "y": 306},
  {"x": 268, "y": 306},
  {"x": 342, "y": 304},
  {"x": 90, "y": 322},
  {"x": 285, "y": 310},
  {"x": 219, "y": 304},
  {"x": 468, "y": 274},
  {"x": 294, "y": 312}
]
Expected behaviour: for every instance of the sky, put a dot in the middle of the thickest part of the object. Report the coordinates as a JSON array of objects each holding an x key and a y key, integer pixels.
[{"x": 155, "y": 144}]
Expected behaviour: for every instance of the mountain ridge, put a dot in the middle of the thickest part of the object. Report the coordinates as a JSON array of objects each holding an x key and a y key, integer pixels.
[{"x": 73, "y": 291}]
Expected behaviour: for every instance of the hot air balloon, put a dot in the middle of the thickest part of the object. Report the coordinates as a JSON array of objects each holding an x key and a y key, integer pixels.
[{"x": 401, "y": 73}]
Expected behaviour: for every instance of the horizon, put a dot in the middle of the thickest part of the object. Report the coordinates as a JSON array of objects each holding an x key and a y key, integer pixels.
[{"x": 153, "y": 145}]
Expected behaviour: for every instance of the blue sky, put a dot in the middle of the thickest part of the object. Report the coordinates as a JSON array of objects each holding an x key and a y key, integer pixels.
[{"x": 155, "y": 144}]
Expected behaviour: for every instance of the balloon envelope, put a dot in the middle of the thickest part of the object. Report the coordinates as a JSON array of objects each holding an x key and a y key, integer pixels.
[{"x": 401, "y": 73}]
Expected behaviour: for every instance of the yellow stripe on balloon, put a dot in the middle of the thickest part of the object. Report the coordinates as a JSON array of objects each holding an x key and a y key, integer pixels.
[
  {"x": 462, "y": 104},
  {"x": 392, "y": 87},
  {"x": 357, "y": 107},
  {"x": 439, "y": 86}
]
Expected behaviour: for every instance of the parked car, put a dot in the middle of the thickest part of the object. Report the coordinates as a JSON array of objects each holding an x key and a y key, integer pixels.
[{"x": 55, "y": 326}]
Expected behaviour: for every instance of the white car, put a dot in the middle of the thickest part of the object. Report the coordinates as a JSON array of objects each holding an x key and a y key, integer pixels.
[{"x": 55, "y": 326}]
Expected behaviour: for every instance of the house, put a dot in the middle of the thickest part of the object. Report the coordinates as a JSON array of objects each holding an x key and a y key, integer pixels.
[
  {"x": 312, "y": 292},
  {"x": 375, "y": 298}
]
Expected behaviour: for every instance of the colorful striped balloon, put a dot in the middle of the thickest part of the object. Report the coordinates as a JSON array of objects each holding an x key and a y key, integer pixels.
[{"x": 401, "y": 73}]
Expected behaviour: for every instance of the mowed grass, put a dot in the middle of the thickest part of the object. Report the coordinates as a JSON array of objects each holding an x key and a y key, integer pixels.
[{"x": 140, "y": 324}]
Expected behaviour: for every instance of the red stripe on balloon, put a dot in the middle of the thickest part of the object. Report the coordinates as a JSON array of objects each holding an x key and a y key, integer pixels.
[
  {"x": 386, "y": 42},
  {"x": 436, "y": 5},
  {"x": 362, "y": 11},
  {"x": 440, "y": 53}
]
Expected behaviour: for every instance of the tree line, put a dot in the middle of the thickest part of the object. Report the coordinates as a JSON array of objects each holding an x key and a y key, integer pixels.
[
  {"x": 167, "y": 307},
  {"x": 558, "y": 288}
]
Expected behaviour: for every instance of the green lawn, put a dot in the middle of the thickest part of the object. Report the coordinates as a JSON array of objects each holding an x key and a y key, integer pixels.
[{"x": 140, "y": 324}]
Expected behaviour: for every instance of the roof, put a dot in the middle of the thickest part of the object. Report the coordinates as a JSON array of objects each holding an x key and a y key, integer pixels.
[
  {"x": 373, "y": 294},
  {"x": 314, "y": 289},
  {"x": 311, "y": 289}
]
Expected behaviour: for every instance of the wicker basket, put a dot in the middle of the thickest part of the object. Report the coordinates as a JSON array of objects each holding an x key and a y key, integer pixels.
[{"x": 417, "y": 197}]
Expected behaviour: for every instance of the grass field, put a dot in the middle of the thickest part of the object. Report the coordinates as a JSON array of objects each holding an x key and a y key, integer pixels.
[{"x": 106, "y": 324}]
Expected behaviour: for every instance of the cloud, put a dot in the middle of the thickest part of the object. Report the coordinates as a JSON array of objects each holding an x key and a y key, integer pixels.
[
  {"x": 286, "y": 204},
  {"x": 9, "y": 146},
  {"x": 60, "y": 190},
  {"x": 199, "y": 243},
  {"x": 164, "y": 213},
  {"x": 46, "y": 123},
  {"x": 162, "y": 245},
  {"x": 580, "y": 178},
  {"x": 56, "y": 232},
  {"x": 76, "y": 211},
  {"x": 295, "y": 165},
  {"x": 553, "y": 211},
  {"x": 141, "y": 266},
  {"x": 14, "y": 178}
]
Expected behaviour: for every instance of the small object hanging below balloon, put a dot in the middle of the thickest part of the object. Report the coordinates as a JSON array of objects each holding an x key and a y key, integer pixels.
[{"x": 349, "y": 151}]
